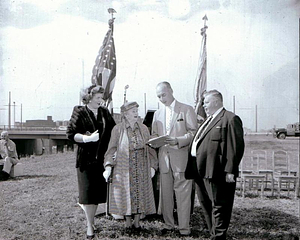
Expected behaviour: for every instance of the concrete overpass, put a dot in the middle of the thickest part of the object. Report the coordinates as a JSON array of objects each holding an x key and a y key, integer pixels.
[
  {"x": 36, "y": 134},
  {"x": 37, "y": 142}
]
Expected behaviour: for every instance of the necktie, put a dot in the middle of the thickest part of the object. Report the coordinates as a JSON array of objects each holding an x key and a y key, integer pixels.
[
  {"x": 168, "y": 118},
  {"x": 204, "y": 127}
]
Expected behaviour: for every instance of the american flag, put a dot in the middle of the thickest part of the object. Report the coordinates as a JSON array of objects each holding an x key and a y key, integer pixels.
[
  {"x": 201, "y": 79},
  {"x": 104, "y": 71}
]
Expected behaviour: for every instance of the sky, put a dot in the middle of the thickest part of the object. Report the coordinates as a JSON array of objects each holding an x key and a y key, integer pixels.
[{"x": 48, "y": 49}]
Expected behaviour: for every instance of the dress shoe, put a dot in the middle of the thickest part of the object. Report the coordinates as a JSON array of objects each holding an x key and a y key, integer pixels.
[
  {"x": 166, "y": 231},
  {"x": 3, "y": 176},
  {"x": 128, "y": 230},
  {"x": 136, "y": 229}
]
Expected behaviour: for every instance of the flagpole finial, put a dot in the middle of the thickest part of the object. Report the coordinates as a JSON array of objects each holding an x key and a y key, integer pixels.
[
  {"x": 203, "y": 30},
  {"x": 111, "y": 21},
  {"x": 111, "y": 11},
  {"x": 125, "y": 88}
]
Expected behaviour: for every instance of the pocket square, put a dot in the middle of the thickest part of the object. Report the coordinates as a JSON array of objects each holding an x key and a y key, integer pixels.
[
  {"x": 218, "y": 127},
  {"x": 178, "y": 120}
]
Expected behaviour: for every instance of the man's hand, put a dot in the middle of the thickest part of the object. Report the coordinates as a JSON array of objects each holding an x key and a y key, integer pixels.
[
  {"x": 171, "y": 141},
  {"x": 229, "y": 178}
]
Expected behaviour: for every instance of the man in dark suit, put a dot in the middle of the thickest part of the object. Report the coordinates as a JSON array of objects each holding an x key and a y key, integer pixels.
[{"x": 214, "y": 157}]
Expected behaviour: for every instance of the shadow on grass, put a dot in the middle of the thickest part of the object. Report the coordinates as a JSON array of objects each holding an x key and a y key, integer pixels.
[
  {"x": 254, "y": 223},
  {"x": 263, "y": 223}
]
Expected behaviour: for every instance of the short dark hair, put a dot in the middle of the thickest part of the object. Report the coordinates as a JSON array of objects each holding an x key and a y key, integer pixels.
[
  {"x": 214, "y": 93},
  {"x": 88, "y": 93}
]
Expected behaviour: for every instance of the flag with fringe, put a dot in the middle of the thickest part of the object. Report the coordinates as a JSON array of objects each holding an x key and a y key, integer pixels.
[
  {"x": 105, "y": 68},
  {"x": 201, "y": 79}
]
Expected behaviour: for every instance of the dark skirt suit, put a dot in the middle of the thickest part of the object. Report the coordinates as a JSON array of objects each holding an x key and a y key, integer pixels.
[{"x": 90, "y": 155}]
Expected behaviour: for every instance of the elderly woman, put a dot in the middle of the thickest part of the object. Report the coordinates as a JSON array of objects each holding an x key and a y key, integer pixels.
[
  {"x": 90, "y": 127},
  {"x": 133, "y": 164}
]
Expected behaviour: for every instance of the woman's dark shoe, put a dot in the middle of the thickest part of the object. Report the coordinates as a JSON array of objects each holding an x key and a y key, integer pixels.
[{"x": 90, "y": 236}]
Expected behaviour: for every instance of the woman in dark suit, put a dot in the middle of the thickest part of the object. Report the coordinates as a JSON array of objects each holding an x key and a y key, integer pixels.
[{"x": 90, "y": 127}]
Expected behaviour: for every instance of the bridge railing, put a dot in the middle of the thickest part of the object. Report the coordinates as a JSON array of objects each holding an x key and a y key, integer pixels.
[{"x": 24, "y": 128}]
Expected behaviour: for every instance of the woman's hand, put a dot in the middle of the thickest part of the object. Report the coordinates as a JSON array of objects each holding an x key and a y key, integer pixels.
[
  {"x": 152, "y": 172},
  {"x": 94, "y": 137},
  {"x": 107, "y": 173}
]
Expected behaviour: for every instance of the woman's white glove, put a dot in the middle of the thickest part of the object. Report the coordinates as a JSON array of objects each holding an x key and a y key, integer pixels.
[
  {"x": 107, "y": 173},
  {"x": 94, "y": 137},
  {"x": 152, "y": 172}
]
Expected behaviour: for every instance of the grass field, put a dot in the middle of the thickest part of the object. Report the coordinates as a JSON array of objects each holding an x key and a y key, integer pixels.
[{"x": 42, "y": 205}]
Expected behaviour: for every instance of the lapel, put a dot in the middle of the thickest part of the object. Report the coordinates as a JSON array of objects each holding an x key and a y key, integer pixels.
[
  {"x": 175, "y": 115},
  {"x": 213, "y": 123}
]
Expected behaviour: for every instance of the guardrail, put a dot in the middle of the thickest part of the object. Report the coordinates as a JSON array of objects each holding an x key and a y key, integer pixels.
[{"x": 23, "y": 128}]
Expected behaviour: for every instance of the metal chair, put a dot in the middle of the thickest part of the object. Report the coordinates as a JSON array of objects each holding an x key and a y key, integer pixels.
[
  {"x": 250, "y": 175},
  {"x": 283, "y": 177}
]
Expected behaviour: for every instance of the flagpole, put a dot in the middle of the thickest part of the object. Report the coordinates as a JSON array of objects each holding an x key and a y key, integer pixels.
[{"x": 108, "y": 45}]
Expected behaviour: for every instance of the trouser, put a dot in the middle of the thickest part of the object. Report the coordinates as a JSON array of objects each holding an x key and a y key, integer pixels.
[
  {"x": 216, "y": 199},
  {"x": 8, "y": 163},
  {"x": 175, "y": 182}
]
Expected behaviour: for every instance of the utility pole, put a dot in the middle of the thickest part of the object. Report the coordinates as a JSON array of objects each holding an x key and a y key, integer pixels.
[
  {"x": 9, "y": 113},
  {"x": 145, "y": 104},
  {"x": 21, "y": 117},
  {"x": 255, "y": 118},
  {"x": 14, "y": 114},
  {"x": 233, "y": 104}
]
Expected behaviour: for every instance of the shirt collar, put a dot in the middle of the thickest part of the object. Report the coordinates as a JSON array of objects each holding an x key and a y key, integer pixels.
[
  {"x": 172, "y": 105},
  {"x": 217, "y": 112},
  {"x": 127, "y": 125}
]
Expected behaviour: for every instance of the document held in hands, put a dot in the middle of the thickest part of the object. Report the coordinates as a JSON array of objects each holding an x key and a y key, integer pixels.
[{"x": 157, "y": 142}]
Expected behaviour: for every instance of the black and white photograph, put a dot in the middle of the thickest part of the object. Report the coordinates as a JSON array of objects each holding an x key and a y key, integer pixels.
[{"x": 149, "y": 119}]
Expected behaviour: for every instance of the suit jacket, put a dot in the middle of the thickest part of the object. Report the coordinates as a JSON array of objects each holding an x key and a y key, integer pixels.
[
  {"x": 183, "y": 127},
  {"x": 9, "y": 150},
  {"x": 219, "y": 150}
]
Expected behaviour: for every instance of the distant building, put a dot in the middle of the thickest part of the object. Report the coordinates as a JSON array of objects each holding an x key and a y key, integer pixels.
[
  {"x": 49, "y": 123},
  {"x": 65, "y": 123},
  {"x": 59, "y": 123}
]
